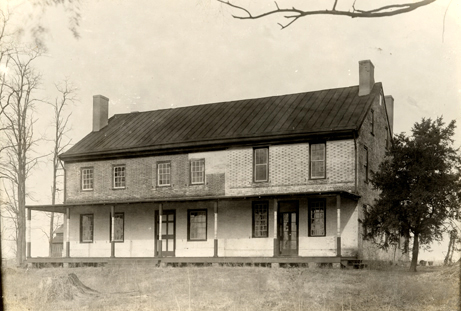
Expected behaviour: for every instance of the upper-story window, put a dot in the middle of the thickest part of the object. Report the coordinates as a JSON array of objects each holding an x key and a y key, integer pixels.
[
  {"x": 119, "y": 176},
  {"x": 317, "y": 161},
  {"x": 164, "y": 174},
  {"x": 197, "y": 171},
  {"x": 261, "y": 164},
  {"x": 365, "y": 163},
  {"x": 87, "y": 178}
]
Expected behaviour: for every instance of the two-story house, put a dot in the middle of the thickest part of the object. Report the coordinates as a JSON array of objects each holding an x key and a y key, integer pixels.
[{"x": 281, "y": 179}]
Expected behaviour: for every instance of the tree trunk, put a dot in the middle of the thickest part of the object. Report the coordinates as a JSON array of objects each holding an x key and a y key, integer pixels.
[
  {"x": 414, "y": 255},
  {"x": 51, "y": 234},
  {"x": 447, "y": 257},
  {"x": 21, "y": 242}
]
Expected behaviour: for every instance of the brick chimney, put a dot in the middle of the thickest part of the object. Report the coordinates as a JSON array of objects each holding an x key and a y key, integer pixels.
[
  {"x": 366, "y": 77},
  {"x": 389, "y": 102},
  {"x": 100, "y": 112}
]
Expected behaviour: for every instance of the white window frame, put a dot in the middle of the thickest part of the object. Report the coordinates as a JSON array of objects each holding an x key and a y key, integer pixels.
[
  {"x": 197, "y": 166},
  {"x": 119, "y": 180},
  {"x": 312, "y": 161},
  {"x": 257, "y": 165},
  {"x": 161, "y": 174},
  {"x": 87, "y": 177}
]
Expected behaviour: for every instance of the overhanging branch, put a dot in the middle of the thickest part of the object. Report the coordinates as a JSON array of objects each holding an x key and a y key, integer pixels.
[{"x": 293, "y": 14}]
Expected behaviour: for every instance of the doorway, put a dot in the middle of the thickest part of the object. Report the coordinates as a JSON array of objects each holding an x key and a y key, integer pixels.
[
  {"x": 288, "y": 228},
  {"x": 168, "y": 233}
]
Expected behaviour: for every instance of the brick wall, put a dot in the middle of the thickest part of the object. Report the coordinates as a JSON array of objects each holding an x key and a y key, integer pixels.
[
  {"x": 376, "y": 146},
  {"x": 228, "y": 172},
  {"x": 141, "y": 179},
  {"x": 289, "y": 170}
]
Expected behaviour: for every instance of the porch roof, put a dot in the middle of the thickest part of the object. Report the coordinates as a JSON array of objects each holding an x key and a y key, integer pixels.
[{"x": 61, "y": 208}]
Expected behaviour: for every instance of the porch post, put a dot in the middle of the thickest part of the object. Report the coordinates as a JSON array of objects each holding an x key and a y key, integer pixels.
[
  {"x": 112, "y": 231},
  {"x": 276, "y": 246},
  {"x": 160, "y": 213},
  {"x": 67, "y": 232},
  {"x": 338, "y": 224},
  {"x": 28, "y": 229},
  {"x": 215, "y": 229}
]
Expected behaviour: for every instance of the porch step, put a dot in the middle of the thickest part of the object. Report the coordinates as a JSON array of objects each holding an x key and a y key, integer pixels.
[{"x": 353, "y": 264}]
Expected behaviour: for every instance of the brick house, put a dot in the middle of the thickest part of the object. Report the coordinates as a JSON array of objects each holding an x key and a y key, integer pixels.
[{"x": 281, "y": 179}]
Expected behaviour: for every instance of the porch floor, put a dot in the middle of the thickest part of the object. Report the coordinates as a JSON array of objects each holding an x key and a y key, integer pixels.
[{"x": 183, "y": 260}]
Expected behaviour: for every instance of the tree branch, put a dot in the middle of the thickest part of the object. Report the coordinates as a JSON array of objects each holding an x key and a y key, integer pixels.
[{"x": 295, "y": 14}]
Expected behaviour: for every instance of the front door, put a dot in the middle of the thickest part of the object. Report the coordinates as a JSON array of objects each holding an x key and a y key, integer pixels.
[
  {"x": 288, "y": 228},
  {"x": 168, "y": 244}
]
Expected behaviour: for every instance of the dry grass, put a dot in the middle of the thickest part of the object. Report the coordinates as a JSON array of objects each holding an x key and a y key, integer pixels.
[{"x": 233, "y": 288}]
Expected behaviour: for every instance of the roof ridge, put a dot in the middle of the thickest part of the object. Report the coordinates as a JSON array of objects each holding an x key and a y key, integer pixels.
[{"x": 237, "y": 100}]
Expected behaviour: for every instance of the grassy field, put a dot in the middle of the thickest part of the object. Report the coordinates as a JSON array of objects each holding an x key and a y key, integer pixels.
[{"x": 233, "y": 288}]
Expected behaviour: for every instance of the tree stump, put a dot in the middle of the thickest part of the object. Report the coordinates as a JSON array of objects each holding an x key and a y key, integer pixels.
[{"x": 64, "y": 288}]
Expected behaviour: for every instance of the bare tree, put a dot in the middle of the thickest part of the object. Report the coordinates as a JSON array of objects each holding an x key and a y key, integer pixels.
[
  {"x": 20, "y": 86},
  {"x": 350, "y": 10},
  {"x": 61, "y": 120},
  {"x": 6, "y": 46}
]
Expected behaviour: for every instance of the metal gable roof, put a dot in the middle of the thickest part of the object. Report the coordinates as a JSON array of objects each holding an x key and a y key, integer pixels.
[{"x": 326, "y": 111}]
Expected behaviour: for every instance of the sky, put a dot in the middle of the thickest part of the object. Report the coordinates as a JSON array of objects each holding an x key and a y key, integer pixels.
[{"x": 146, "y": 55}]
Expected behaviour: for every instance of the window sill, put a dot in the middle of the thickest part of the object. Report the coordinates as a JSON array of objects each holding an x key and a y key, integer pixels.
[
  {"x": 261, "y": 183},
  {"x": 163, "y": 187},
  {"x": 121, "y": 188}
]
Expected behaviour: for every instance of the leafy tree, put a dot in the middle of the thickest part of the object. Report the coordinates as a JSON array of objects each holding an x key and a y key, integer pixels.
[
  {"x": 420, "y": 188},
  {"x": 333, "y": 8}
]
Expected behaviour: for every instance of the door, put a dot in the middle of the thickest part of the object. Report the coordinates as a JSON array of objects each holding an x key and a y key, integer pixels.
[
  {"x": 168, "y": 233},
  {"x": 288, "y": 228}
]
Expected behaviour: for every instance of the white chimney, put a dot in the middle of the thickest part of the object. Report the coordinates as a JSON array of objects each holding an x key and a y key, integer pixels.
[
  {"x": 366, "y": 77},
  {"x": 100, "y": 112},
  {"x": 389, "y": 102}
]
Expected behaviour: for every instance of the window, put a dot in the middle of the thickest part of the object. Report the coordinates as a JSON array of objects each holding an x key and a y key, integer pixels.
[
  {"x": 317, "y": 161},
  {"x": 119, "y": 176},
  {"x": 365, "y": 163},
  {"x": 261, "y": 164},
  {"x": 317, "y": 218},
  {"x": 372, "y": 124},
  {"x": 87, "y": 178},
  {"x": 387, "y": 137},
  {"x": 163, "y": 174},
  {"x": 260, "y": 219},
  {"x": 197, "y": 171},
  {"x": 86, "y": 228},
  {"x": 197, "y": 225},
  {"x": 119, "y": 227}
]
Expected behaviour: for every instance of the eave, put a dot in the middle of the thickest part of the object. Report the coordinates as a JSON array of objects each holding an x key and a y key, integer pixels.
[{"x": 209, "y": 145}]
